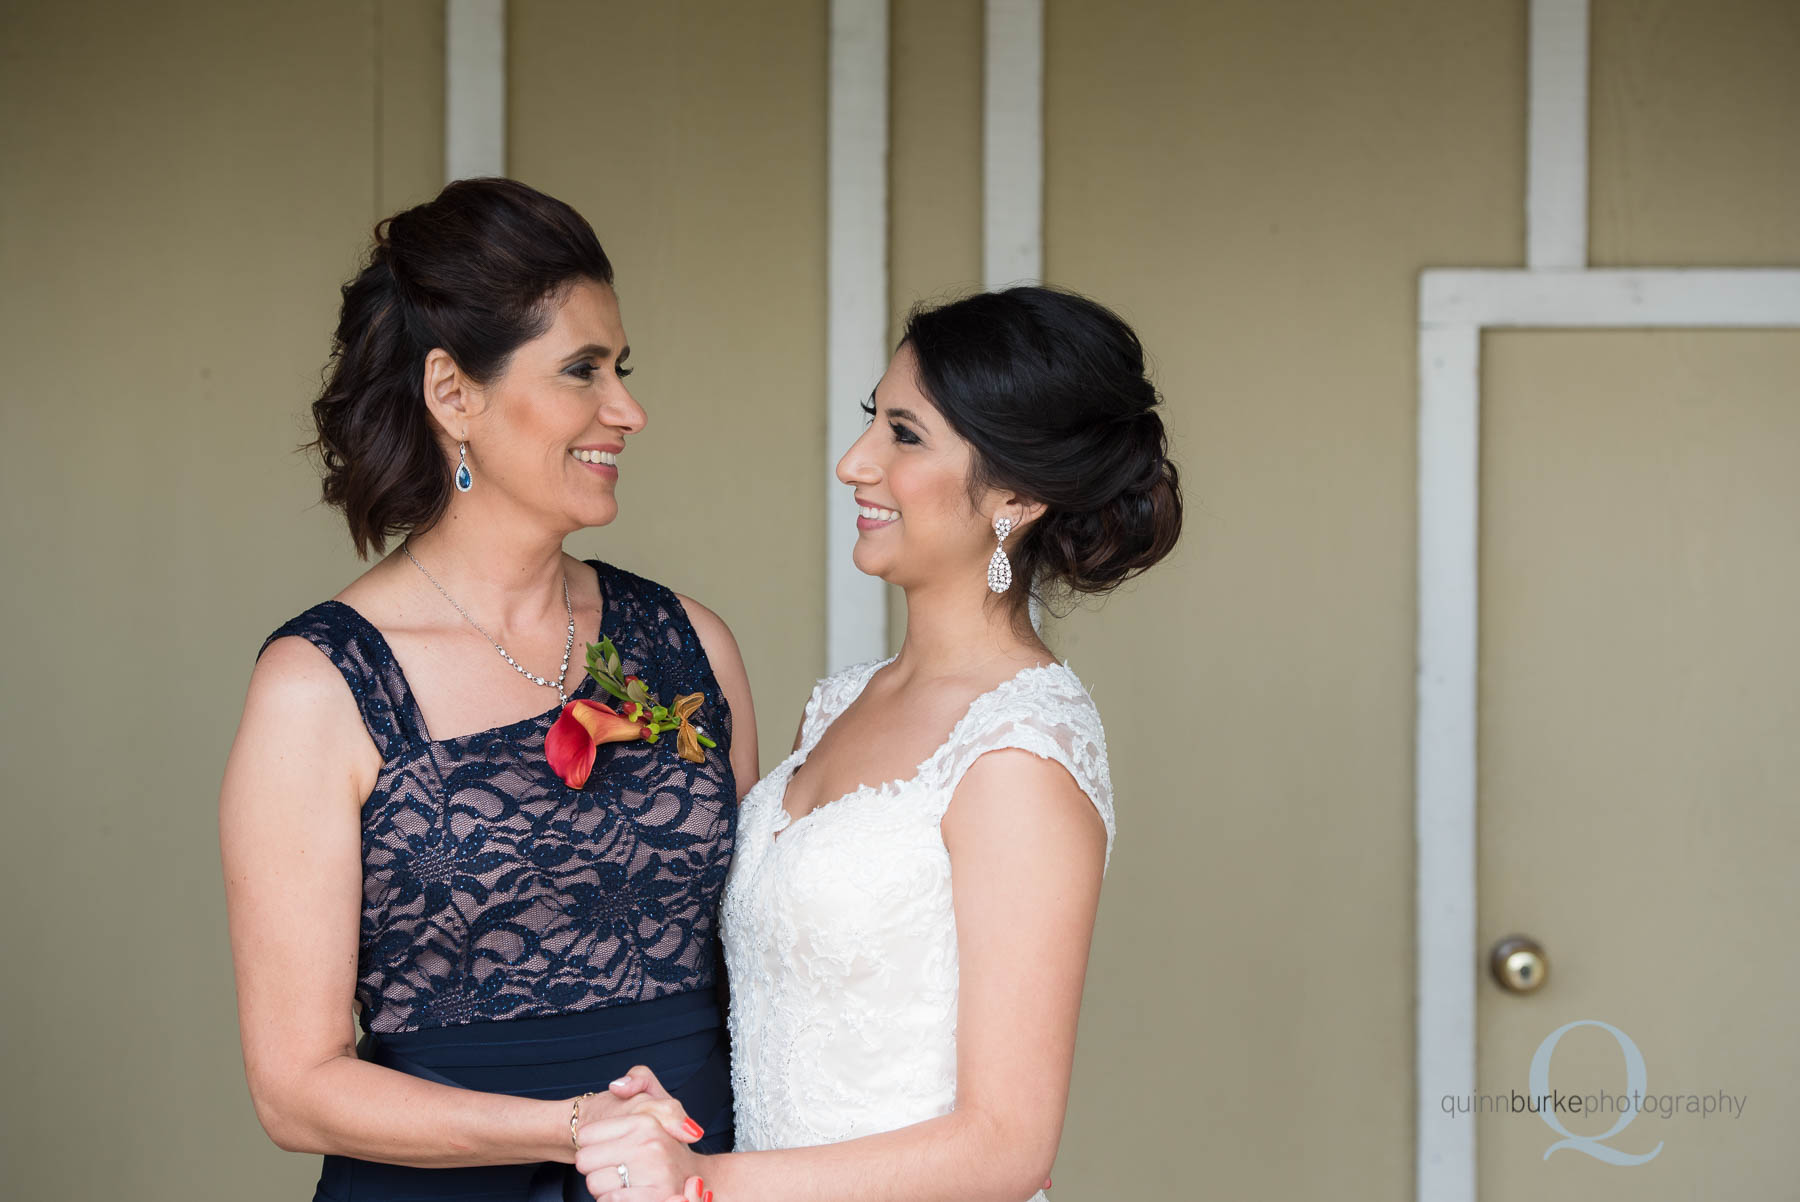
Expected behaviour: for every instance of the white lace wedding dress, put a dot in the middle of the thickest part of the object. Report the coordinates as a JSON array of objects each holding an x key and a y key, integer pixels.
[{"x": 838, "y": 929}]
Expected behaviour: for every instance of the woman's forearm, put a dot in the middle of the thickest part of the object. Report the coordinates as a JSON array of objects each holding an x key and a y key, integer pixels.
[
  {"x": 958, "y": 1157},
  {"x": 349, "y": 1107}
]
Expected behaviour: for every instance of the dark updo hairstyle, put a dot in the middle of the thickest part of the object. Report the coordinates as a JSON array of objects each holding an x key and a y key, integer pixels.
[
  {"x": 1049, "y": 389},
  {"x": 474, "y": 271}
]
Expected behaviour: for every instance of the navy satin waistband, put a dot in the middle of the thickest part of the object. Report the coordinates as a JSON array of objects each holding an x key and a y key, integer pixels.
[
  {"x": 543, "y": 1057},
  {"x": 681, "y": 1038}
]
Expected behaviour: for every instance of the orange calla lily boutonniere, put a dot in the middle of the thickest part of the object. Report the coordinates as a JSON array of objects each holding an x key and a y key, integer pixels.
[{"x": 573, "y": 741}]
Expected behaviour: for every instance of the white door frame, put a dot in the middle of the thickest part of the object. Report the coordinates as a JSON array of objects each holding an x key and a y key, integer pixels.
[
  {"x": 1556, "y": 291},
  {"x": 1455, "y": 307},
  {"x": 856, "y": 307},
  {"x": 1012, "y": 226},
  {"x": 474, "y": 88}
]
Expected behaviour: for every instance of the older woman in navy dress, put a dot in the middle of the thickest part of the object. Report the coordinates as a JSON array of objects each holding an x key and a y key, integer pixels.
[{"x": 393, "y": 834}]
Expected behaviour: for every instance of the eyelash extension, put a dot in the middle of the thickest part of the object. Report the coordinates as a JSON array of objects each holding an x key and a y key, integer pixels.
[
  {"x": 901, "y": 433},
  {"x": 585, "y": 371}
]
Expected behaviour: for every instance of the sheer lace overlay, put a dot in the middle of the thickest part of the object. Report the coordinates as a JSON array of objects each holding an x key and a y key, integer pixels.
[
  {"x": 493, "y": 891},
  {"x": 839, "y": 933}
]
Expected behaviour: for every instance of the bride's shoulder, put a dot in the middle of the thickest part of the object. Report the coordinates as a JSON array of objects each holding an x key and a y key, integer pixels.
[
  {"x": 1046, "y": 711},
  {"x": 1048, "y": 695}
]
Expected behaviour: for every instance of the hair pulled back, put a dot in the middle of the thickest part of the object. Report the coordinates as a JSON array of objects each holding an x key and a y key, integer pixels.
[
  {"x": 1049, "y": 388},
  {"x": 473, "y": 271}
]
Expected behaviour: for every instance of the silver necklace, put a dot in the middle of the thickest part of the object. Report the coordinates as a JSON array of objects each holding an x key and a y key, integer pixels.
[{"x": 569, "y": 646}]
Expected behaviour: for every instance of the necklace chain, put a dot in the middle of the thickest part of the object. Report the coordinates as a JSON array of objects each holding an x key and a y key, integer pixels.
[{"x": 569, "y": 646}]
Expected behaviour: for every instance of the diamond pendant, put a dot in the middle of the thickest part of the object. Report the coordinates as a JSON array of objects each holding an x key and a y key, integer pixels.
[
  {"x": 999, "y": 572},
  {"x": 1000, "y": 567}
]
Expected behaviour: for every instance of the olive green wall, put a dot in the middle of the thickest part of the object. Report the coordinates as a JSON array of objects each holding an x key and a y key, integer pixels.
[
  {"x": 692, "y": 136},
  {"x": 183, "y": 186},
  {"x": 186, "y": 186},
  {"x": 1256, "y": 187}
]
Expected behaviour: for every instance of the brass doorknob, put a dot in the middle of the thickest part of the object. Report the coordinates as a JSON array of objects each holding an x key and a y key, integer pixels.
[{"x": 1519, "y": 964}]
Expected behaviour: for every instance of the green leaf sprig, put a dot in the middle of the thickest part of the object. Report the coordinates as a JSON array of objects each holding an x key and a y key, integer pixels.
[{"x": 641, "y": 705}]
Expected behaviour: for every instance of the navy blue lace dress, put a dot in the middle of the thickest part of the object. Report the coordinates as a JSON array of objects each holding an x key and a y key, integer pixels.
[{"x": 522, "y": 937}]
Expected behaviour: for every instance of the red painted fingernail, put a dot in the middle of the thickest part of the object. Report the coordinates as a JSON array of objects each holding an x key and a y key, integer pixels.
[
  {"x": 708, "y": 1196},
  {"x": 694, "y": 1129}
]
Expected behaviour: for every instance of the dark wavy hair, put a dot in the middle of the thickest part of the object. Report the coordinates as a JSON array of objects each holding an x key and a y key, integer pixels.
[
  {"x": 475, "y": 271},
  {"x": 1050, "y": 390}
]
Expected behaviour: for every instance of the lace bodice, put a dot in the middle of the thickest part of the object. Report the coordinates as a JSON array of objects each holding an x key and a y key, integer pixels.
[
  {"x": 493, "y": 891},
  {"x": 840, "y": 937}
]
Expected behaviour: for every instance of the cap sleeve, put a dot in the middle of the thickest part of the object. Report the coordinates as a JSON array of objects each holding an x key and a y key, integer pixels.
[{"x": 1047, "y": 713}]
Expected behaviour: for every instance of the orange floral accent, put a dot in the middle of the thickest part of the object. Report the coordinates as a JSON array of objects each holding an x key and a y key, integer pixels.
[
  {"x": 687, "y": 739},
  {"x": 571, "y": 744}
]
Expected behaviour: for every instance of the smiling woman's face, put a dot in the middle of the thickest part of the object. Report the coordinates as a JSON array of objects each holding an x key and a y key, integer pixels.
[
  {"x": 910, "y": 472},
  {"x": 546, "y": 435}
]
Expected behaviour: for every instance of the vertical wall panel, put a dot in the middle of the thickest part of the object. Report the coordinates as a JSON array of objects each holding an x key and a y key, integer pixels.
[
  {"x": 935, "y": 231},
  {"x": 934, "y": 173},
  {"x": 184, "y": 188},
  {"x": 1012, "y": 178},
  {"x": 856, "y": 216},
  {"x": 1696, "y": 162},
  {"x": 1256, "y": 186},
  {"x": 475, "y": 56},
  {"x": 409, "y": 157},
  {"x": 692, "y": 136}
]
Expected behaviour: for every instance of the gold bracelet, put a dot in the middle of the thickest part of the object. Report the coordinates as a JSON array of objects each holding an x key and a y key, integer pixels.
[{"x": 574, "y": 1117}]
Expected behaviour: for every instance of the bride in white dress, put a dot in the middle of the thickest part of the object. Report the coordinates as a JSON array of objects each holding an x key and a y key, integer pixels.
[{"x": 912, "y": 896}]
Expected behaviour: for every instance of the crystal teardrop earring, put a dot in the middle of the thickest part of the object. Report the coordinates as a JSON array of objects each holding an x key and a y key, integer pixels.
[
  {"x": 999, "y": 572},
  {"x": 464, "y": 479}
]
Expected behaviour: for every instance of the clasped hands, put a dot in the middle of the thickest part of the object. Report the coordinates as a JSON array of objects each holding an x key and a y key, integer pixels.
[{"x": 649, "y": 1134}]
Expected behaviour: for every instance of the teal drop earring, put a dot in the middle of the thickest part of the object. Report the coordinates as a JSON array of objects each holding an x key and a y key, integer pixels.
[{"x": 464, "y": 480}]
